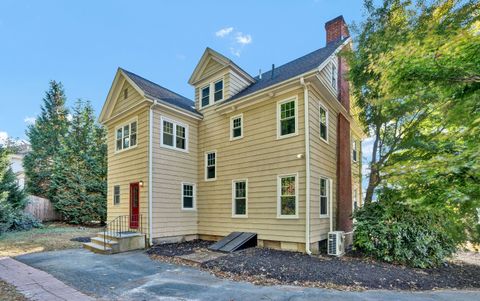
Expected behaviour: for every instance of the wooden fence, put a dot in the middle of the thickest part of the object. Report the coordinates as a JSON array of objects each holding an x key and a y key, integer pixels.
[{"x": 42, "y": 209}]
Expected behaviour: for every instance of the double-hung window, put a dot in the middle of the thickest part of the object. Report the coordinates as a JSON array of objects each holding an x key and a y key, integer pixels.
[
  {"x": 334, "y": 76},
  {"x": 236, "y": 127},
  {"x": 218, "y": 90},
  {"x": 354, "y": 151},
  {"x": 188, "y": 196},
  {"x": 126, "y": 136},
  {"x": 287, "y": 206},
  {"x": 323, "y": 123},
  {"x": 355, "y": 199},
  {"x": 324, "y": 196},
  {"x": 116, "y": 194},
  {"x": 205, "y": 91},
  {"x": 174, "y": 134},
  {"x": 287, "y": 118},
  {"x": 210, "y": 166},
  {"x": 239, "y": 193}
]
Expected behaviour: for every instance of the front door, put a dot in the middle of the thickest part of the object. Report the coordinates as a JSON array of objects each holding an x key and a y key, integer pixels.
[{"x": 134, "y": 205}]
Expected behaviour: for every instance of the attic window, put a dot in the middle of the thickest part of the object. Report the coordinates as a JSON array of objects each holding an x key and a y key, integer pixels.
[
  {"x": 218, "y": 91},
  {"x": 125, "y": 93},
  {"x": 205, "y": 96},
  {"x": 334, "y": 76}
]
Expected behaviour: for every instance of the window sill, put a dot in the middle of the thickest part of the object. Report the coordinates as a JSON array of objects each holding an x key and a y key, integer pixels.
[
  {"x": 236, "y": 138},
  {"x": 174, "y": 148},
  {"x": 189, "y": 209},
  {"x": 210, "y": 180},
  {"x": 287, "y": 216},
  {"x": 287, "y": 136},
  {"x": 324, "y": 216},
  {"x": 240, "y": 216},
  {"x": 125, "y": 149},
  {"x": 324, "y": 140}
]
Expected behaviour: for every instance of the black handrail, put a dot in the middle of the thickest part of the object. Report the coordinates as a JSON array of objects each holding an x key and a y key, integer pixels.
[{"x": 123, "y": 224}]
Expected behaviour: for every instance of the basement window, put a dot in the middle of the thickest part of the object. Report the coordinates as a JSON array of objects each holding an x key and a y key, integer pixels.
[
  {"x": 324, "y": 196},
  {"x": 116, "y": 195},
  {"x": 126, "y": 136},
  {"x": 188, "y": 196},
  {"x": 287, "y": 206},
  {"x": 174, "y": 135},
  {"x": 210, "y": 166}
]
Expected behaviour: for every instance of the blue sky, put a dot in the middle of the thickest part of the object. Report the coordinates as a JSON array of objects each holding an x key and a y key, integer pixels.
[{"x": 81, "y": 44}]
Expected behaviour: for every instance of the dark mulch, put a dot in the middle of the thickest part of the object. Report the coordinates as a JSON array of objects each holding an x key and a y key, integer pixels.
[
  {"x": 82, "y": 239},
  {"x": 291, "y": 267},
  {"x": 178, "y": 249}
]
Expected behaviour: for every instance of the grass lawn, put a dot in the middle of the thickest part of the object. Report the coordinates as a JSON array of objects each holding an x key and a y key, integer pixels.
[{"x": 53, "y": 236}]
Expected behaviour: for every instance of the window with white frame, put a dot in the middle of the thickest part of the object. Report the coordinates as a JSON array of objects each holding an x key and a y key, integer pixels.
[
  {"x": 116, "y": 194},
  {"x": 354, "y": 150},
  {"x": 218, "y": 90},
  {"x": 126, "y": 136},
  {"x": 287, "y": 196},
  {"x": 323, "y": 123},
  {"x": 334, "y": 76},
  {"x": 236, "y": 127},
  {"x": 205, "y": 95},
  {"x": 355, "y": 199},
  {"x": 239, "y": 193},
  {"x": 324, "y": 196},
  {"x": 188, "y": 196},
  {"x": 287, "y": 118},
  {"x": 174, "y": 134},
  {"x": 210, "y": 166}
]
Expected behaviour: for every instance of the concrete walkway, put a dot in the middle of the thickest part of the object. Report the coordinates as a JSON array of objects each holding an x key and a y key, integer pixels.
[
  {"x": 133, "y": 276},
  {"x": 36, "y": 284}
]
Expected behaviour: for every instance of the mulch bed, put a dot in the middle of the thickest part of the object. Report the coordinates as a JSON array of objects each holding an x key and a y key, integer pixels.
[
  {"x": 266, "y": 266},
  {"x": 82, "y": 239}
]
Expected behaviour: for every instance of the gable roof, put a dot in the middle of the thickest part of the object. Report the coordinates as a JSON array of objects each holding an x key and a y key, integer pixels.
[
  {"x": 289, "y": 70},
  {"x": 156, "y": 91}
]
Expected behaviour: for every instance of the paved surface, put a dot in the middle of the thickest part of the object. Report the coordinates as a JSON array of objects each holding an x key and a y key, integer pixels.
[
  {"x": 133, "y": 276},
  {"x": 36, "y": 284}
]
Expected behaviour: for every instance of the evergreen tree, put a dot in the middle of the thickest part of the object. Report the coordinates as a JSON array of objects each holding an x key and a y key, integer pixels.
[
  {"x": 46, "y": 137},
  {"x": 78, "y": 187},
  {"x": 16, "y": 196}
]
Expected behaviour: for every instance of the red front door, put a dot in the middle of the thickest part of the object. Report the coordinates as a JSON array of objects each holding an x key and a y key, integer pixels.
[{"x": 134, "y": 205}]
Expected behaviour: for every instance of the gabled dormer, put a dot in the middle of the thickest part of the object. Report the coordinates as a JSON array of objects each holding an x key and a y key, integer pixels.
[{"x": 216, "y": 79}]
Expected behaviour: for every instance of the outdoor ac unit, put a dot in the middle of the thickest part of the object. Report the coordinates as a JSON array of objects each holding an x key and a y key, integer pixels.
[{"x": 336, "y": 243}]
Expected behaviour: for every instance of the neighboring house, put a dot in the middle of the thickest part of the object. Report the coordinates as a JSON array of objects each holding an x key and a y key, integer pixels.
[
  {"x": 16, "y": 163},
  {"x": 277, "y": 154}
]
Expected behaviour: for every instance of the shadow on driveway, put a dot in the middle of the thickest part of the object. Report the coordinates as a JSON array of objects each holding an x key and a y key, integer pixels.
[{"x": 134, "y": 276}]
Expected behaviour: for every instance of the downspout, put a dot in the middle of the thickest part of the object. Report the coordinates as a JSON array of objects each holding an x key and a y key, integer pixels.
[
  {"x": 307, "y": 167},
  {"x": 330, "y": 210},
  {"x": 150, "y": 177}
]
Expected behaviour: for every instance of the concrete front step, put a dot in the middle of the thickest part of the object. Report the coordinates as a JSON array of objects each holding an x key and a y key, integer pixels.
[
  {"x": 110, "y": 243},
  {"x": 104, "y": 242},
  {"x": 97, "y": 248}
]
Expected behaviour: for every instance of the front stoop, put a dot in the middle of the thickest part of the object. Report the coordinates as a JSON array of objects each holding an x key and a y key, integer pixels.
[{"x": 115, "y": 243}]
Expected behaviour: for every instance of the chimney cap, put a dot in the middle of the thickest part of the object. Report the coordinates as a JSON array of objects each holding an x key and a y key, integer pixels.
[{"x": 334, "y": 20}]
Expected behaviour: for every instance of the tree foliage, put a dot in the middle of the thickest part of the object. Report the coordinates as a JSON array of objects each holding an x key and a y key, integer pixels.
[
  {"x": 78, "y": 186},
  {"x": 46, "y": 137}
]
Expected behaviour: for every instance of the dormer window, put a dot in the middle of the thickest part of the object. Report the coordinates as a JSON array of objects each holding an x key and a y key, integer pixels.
[
  {"x": 334, "y": 77},
  {"x": 205, "y": 96},
  {"x": 218, "y": 91}
]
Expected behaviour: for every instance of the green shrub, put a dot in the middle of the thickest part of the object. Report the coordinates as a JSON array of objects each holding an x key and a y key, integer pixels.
[
  {"x": 396, "y": 232},
  {"x": 12, "y": 219}
]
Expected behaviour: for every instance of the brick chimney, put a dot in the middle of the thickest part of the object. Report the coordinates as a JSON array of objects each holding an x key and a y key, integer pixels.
[{"x": 336, "y": 29}]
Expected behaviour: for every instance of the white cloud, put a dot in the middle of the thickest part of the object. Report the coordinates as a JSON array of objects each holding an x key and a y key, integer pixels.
[
  {"x": 3, "y": 137},
  {"x": 235, "y": 51},
  {"x": 243, "y": 39},
  {"x": 29, "y": 120},
  {"x": 224, "y": 32}
]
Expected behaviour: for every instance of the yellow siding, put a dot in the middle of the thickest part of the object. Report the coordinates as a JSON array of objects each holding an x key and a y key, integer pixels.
[
  {"x": 234, "y": 83},
  {"x": 170, "y": 169},
  {"x": 323, "y": 163},
  {"x": 122, "y": 103},
  {"x": 357, "y": 170},
  {"x": 211, "y": 67},
  {"x": 128, "y": 166},
  {"x": 258, "y": 157}
]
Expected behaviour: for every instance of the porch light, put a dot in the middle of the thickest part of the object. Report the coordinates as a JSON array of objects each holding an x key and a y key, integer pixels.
[{"x": 140, "y": 183}]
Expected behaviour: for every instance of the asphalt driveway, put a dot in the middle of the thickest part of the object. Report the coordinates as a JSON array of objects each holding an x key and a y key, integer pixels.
[{"x": 134, "y": 276}]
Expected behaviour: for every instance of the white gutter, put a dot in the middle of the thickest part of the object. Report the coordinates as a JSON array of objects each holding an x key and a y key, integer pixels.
[
  {"x": 307, "y": 167},
  {"x": 150, "y": 177}
]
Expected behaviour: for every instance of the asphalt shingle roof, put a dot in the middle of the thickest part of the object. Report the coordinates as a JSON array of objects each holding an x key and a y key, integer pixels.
[
  {"x": 291, "y": 69},
  {"x": 156, "y": 91}
]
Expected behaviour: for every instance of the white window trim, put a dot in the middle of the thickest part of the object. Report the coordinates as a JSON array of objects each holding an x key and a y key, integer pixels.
[
  {"x": 279, "y": 128},
  {"x": 279, "y": 194},
  {"x": 355, "y": 190},
  {"x": 231, "y": 127},
  {"x": 329, "y": 197},
  {"x": 334, "y": 75},
  {"x": 175, "y": 123},
  {"x": 246, "y": 198},
  {"x": 194, "y": 207},
  {"x": 328, "y": 121},
  {"x": 200, "y": 94},
  {"x": 355, "y": 150},
  {"x": 206, "y": 162},
  {"x": 129, "y": 122},
  {"x": 223, "y": 90},
  {"x": 119, "y": 194}
]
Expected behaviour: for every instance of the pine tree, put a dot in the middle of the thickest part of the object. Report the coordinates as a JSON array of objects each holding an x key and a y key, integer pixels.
[
  {"x": 16, "y": 196},
  {"x": 78, "y": 187},
  {"x": 46, "y": 137}
]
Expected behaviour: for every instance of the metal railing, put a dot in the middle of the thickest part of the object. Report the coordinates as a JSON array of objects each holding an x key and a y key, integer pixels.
[{"x": 123, "y": 225}]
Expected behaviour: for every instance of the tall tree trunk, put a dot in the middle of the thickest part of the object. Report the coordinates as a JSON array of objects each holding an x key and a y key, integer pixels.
[{"x": 374, "y": 177}]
